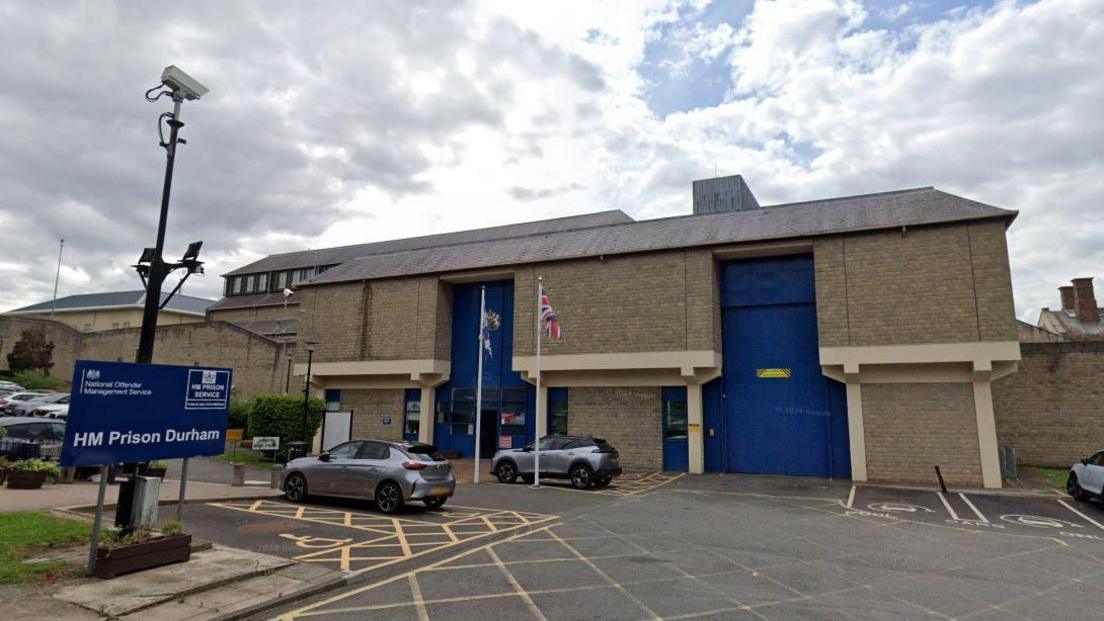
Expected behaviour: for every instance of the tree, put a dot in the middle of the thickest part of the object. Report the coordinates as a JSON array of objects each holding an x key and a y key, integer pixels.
[{"x": 32, "y": 352}]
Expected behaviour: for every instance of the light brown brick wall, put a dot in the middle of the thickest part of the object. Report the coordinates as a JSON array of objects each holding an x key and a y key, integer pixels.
[
  {"x": 939, "y": 284},
  {"x": 628, "y": 417},
  {"x": 369, "y": 407},
  {"x": 910, "y": 428},
  {"x": 1052, "y": 410},
  {"x": 395, "y": 319},
  {"x": 256, "y": 313},
  {"x": 662, "y": 301},
  {"x": 257, "y": 361},
  {"x": 66, "y": 342}
]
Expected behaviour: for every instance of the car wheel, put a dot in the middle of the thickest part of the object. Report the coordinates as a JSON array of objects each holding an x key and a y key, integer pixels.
[
  {"x": 602, "y": 482},
  {"x": 506, "y": 472},
  {"x": 1073, "y": 487},
  {"x": 389, "y": 498},
  {"x": 435, "y": 502},
  {"x": 295, "y": 487},
  {"x": 581, "y": 476}
]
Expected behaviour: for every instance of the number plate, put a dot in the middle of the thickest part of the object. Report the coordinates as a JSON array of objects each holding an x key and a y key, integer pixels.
[{"x": 439, "y": 490}]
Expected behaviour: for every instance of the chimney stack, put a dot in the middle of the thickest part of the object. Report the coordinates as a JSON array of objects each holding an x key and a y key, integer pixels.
[
  {"x": 1084, "y": 300},
  {"x": 1067, "y": 297},
  {"x": 722, "y": 194}
]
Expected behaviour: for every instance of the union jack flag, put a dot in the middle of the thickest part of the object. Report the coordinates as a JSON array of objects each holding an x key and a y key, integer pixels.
[{"x": 548, "y": 317}]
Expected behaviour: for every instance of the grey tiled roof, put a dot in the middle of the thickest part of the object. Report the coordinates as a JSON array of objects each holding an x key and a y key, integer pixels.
[
  {"x": 252, "y": 299},
  {"x": 136, "y": 298},
  {"x": 342, "y": 254},
  {"x": 913, "y": 207}
]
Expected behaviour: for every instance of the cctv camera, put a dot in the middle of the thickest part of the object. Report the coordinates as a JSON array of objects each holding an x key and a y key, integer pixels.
[{"x": 183, "y": 83}]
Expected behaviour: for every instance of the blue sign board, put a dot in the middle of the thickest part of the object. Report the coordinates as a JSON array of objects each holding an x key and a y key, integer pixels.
[{"x": 123, "y": 412}]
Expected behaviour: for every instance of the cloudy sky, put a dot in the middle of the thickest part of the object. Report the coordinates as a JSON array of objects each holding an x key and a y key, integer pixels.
[{"x": 336, "y": 122}]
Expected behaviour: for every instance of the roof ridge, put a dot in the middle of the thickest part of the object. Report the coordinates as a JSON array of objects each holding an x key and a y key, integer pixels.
[{"x": 853, "y": 196}]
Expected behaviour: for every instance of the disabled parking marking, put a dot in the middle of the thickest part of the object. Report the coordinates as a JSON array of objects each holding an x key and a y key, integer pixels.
[
  {"x": 393, "y": 539},
  {"x": 950, "y": 509},
  {"x": 1038, "y": 521},
  {"x": 981, "y": 516},
  {"x": 898, "y": 507}
]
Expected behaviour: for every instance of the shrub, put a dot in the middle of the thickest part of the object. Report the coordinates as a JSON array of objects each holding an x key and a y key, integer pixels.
[
  {"x": 32, "y": 380},
  {"x": 239, "y": 415},
  {"x": 282, "y": 415},
  {"x": 171, "y": 527},
  {"x": 51, "y": 468},
  {"x": 32, "y": 351}
]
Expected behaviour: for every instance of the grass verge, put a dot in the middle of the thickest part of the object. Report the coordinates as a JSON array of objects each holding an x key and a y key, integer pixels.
[
  {"x": 1054, "y": 477},
  {"x": 246, "y": 456},
  {"x": 25, "y": 534}
]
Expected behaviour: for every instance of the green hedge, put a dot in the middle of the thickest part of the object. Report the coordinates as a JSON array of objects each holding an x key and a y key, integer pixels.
[
  {"x": 239, "y": 415},
  {"x": 37, "y": 380},
  {"x": 282, "y": 415}
]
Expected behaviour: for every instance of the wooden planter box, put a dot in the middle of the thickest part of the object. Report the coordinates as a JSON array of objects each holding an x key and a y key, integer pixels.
[
  {"x": 145, "y": 555},
  {"x": 25, "y": 480}
]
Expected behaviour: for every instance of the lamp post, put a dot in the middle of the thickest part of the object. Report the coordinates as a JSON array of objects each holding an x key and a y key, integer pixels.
[
  {"x": 306, "y": 389},
  {"x": 151, "y": 267}
]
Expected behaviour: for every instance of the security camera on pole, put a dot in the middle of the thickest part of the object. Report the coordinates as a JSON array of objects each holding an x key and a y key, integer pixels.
[{"x": 151, "y": 267}]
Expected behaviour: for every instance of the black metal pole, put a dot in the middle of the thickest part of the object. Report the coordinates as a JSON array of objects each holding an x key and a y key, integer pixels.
[
  {"x": 157, "y": 272},
  {"x": 306, "y": 394},
  {"x": 287, "y": 383},
  {"x": 156, "y": 277}
]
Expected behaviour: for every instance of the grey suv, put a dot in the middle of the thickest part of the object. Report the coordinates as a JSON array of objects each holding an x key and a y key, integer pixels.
[{"x": 588, "y": 462}]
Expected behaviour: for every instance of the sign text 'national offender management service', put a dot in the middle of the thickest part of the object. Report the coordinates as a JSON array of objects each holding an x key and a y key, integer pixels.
[{"x": 122, "y": 412}]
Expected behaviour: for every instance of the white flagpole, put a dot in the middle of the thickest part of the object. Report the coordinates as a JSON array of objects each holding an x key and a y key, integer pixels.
[
  {"x": 479, "y": 379},
  {"x": 537, "y": 438}
]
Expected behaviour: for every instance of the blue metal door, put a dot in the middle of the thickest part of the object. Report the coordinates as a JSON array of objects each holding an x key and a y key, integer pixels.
[
  {"x": 675, "y": 448},
  {"x": 782, "y": 416}
]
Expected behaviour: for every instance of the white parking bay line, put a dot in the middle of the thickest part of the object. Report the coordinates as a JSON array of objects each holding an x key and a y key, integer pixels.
[
  {"x": 851, "y": 498},
  {"x": 948, "y": 505},
  {"x": 1087, "y": 518},
  {"x": 975, "y": 509}
]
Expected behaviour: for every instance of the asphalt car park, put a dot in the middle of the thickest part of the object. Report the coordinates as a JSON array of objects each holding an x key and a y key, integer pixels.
[{"x": 719, "y": 547}]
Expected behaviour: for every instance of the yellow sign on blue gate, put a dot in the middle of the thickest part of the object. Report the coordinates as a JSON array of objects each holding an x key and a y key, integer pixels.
[{"x": 772, "y": 373}]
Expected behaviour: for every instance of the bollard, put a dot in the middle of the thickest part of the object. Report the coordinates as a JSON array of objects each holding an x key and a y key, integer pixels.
[
  {"x": 239, "y": 475},
  {"x": 276, "y": 473},
  {"x": 939, "y": 475}
]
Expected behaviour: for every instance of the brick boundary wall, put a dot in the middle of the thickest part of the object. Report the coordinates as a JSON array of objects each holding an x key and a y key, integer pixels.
[
  {"x": 1052, "y": 410},
  {"x": 257, "y": 361}
]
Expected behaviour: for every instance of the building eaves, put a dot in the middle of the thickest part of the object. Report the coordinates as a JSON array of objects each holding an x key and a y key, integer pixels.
[{"x": 914, "y": 207}]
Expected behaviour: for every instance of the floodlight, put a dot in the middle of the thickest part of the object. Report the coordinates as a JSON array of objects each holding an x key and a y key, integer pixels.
[
  {"x": 147, "y": 255},
  {"x": 192, "y": 252}
]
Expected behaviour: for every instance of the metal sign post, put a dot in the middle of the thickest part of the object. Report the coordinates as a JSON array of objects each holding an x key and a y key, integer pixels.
[{"x": 98, "y": 520}]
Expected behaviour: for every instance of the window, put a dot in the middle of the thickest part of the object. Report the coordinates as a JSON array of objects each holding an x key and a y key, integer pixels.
[
  {"x": 557, "y": 411},
  {"x": 345, "y": 451},
  {"x": 374, "y": 450},
  {"x": 674, "y": 415},
  {"x": 1098, "y": 459},
  {"x": 114, "y": 324},
  {"x": 262, "y": 282},
  {"x": 412, "y": 412},
  {"x": 577, "y": 444},
  {"x": 425, "y": 452},
  {"x": 239, "y": 284}
]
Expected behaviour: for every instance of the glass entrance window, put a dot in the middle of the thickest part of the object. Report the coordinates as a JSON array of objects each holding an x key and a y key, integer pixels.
[
  {"x": 412, "y": 412},
  {"x": 674, "y": 419},
  {"x": 557, "y": 411}
]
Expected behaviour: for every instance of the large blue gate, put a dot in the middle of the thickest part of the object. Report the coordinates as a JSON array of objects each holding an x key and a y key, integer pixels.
[{"x": 780, "y": 414}]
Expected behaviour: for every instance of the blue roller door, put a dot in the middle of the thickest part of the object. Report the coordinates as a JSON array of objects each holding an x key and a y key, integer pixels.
[{"x": 780, "y": 414}]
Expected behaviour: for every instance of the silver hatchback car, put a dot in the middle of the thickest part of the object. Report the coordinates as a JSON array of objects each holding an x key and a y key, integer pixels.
[
  {"x": 587, "y": 462},
  {"x": 391, "y": 473}
]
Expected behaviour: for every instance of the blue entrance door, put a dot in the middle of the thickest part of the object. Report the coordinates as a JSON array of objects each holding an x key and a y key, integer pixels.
[
  {"x": 675, "y": 447},
  {"x": 782, "y": 416}
]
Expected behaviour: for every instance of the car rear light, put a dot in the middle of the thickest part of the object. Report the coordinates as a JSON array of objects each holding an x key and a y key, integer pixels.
[{"x": 414, "y": 465}]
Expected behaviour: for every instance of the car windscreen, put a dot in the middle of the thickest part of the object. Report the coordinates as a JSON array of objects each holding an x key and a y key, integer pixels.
[{"x": 425, "y": 452}]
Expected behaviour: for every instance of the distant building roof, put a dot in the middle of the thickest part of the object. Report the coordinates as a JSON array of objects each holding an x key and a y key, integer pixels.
[
  {"x": 179, "y": 303},
  {"x": 920, "y": 206},
  {"x": 342, "y": 254},
  {"x": 1028, "y": 333},
  {"x": 1066, "y": 323}
]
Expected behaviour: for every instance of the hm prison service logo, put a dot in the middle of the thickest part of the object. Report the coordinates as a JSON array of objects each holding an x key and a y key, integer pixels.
[{"x": 494, "y": 320}]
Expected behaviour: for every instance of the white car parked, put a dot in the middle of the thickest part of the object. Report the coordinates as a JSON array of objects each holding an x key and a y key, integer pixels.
[
  {"x": 1086, "y": 479},
  {"x": 52, "y": 410}
]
